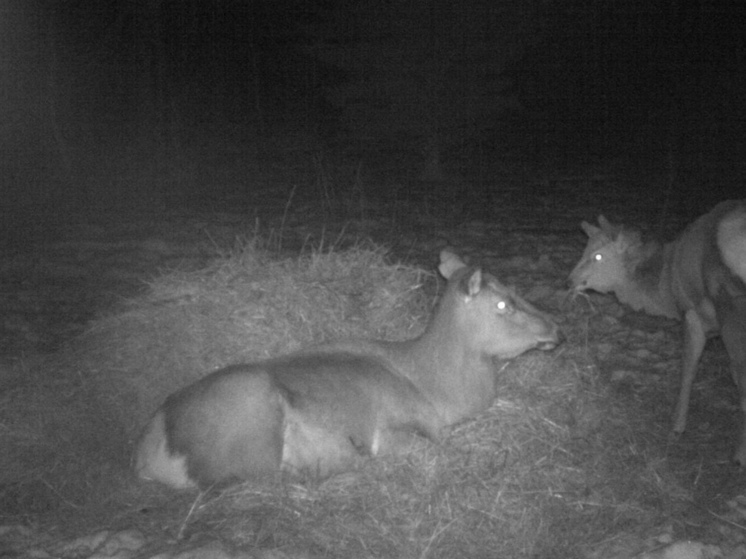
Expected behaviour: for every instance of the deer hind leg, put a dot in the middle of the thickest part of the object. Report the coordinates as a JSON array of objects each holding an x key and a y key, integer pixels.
[
  {"x": 733, "y": 332},
  {"x": 694, "y": 342}
]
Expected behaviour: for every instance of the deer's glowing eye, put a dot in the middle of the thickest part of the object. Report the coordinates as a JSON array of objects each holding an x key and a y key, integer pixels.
[
  {"x": 502, "y": 306},
  {"x": 598, "y": 257}
]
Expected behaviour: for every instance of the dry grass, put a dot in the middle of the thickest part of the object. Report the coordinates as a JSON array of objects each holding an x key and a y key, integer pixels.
[
  {"x": 245, "y": 307},
  {"x": 88, "y": 403},
  {"x": 555, "y": 468}
]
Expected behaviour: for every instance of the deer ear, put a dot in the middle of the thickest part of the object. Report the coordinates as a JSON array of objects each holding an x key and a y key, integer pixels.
[
  {"x": 590, "y": 230},
  {"x": 450, "y": 263},
  {"x": 609, "y": 229},
  {"x": 474, "y": 285}
]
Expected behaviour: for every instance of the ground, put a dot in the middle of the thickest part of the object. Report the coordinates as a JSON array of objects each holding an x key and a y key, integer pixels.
[{"x": 74, "y": 267}]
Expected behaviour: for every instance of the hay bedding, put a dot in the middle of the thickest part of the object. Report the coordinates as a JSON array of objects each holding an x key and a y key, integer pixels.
[
  {"x": 557, "y": 465},
  {"x": 243, "y": 308},
  {"x": 85, "y": 405}
]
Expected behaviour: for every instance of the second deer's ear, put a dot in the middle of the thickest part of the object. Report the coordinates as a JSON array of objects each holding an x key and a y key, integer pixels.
[{"x": 591, "y": 230}]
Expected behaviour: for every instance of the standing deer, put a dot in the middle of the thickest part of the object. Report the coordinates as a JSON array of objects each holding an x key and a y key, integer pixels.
[{"x": 699, "y": 278}]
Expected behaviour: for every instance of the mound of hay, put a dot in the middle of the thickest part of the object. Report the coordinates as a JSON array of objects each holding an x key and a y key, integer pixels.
[
  {"x": 243, "y": 308},
  {"x": 69, "y": 421}
]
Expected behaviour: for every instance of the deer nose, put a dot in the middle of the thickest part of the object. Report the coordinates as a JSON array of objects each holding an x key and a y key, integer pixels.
[{"x": 556, "y": 339}]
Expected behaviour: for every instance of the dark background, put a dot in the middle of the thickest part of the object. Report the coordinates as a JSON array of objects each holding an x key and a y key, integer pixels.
[{"x": 162, "y": 104}]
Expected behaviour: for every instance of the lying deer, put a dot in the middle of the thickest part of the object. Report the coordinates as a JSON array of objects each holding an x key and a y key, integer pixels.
[{"x": 317, "y": 411}]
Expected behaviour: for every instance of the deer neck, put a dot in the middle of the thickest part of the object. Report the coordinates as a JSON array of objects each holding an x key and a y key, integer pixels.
[
  {"x": 648, "y": 285},
  {"x": 457, "y": 378}
]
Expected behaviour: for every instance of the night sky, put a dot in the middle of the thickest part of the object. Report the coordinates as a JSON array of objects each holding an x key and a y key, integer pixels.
[{"x": 179, "y": 100}]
